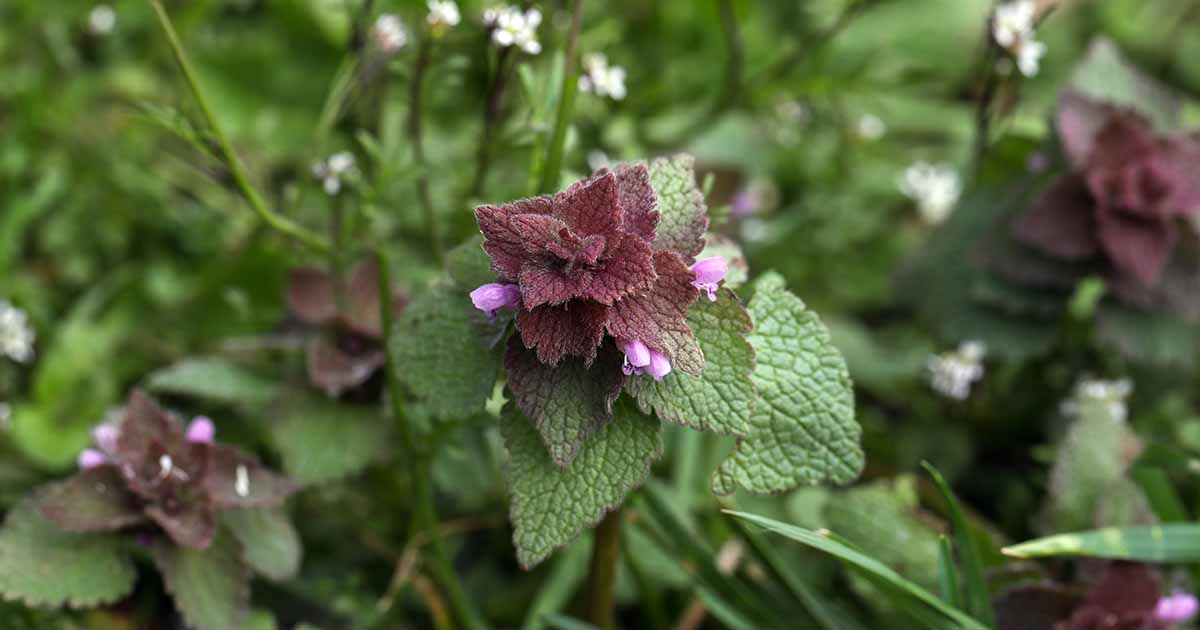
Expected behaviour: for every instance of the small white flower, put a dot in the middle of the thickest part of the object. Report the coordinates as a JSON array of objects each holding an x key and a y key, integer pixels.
[
  {"x": 388, "y": 33},
  {"x": 513, "y": 27},
  {"x": 1013, "y": 22},
  {"x": 1029, "y": 56},
  {"x": 934, "y": 187},
  {"x": 332, "y": 170},
  {"x": 601, "y": 78},
  {"x": 443, "y": 14},
  {"x": 16, "y": 334},
  {"x": 870, "y": 127},
  {"x": 1111, "y": 394},
  {"x": 101, "y": 20},
  {"x": 951, "y": 374}
]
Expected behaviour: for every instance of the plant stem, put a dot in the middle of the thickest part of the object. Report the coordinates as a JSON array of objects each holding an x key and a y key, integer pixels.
[
  {"x": 552, "y": 168},
  {"x": 424, "y": 517},
  {"x": 602, "y": 576},
  {"x": 416, "y": 134},
  {"x": 491, "y": 121},
  {"x": 232, "y": 161}
]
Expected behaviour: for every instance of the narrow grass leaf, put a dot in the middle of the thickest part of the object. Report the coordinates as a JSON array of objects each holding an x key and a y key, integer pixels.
[{"x": 1177, "y": 542}]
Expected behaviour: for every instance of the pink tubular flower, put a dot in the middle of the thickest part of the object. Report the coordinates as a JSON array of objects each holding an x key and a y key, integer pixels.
[
  {"x": 91, "y": 458},
  {"x": 493, "y": 296},
  {"x": 637, "y": 356},
  {"x": 202, "y": 430},
  {"x": 105, "y": 436},
  {"x": 709, "y": 272},
  {"x": 1177, "y": 607},
  {"x": 659, "y": 367}
]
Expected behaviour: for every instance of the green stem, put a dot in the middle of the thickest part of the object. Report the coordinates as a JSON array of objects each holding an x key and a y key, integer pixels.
[
  {"x": 602, "y": 576},
  {"x": 552, "y": 169},
  {"x": 416, "y": 134},
  {"x": 228, "y": 155},
  {"x": 492, "y": 111},
  {"x": 424, "y": 518}
]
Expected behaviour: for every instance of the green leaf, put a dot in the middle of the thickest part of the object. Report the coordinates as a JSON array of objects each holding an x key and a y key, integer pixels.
[
  {"x": 214, "y": 379},
  {"x": 1173, "y": 542},
  {"x": 948, "y": 580},
  {"x": 211, "y": 588},
  {"x": 722, "y": 398},
  {"x": 682, "y": 214},
  {"x": 469, "y": 265},
  {"x": 270, "y": 544},
  {"x": 1143, "y": 337},
  {"x": 1105, "y": 75},
  {"x": 321, "y": 440},
  {"x": 802, "y": 430},
  {"x": 1089, "y": 464},
  {"x": 445, "y": 350},
  {"x": 979, "y": 600},
  {"x": 41, "y": 565},
  {"x": 549, "y": 505},
  {"x": 867, "y": 564}
]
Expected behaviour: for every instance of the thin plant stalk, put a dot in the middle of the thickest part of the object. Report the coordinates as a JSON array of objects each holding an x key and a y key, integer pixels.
[
  {"x": 602, "y": 576},
  {"x": 424, "y": 517},
  {"x": 417, "y": 136},
  {"x": 552, "y": 168},
  {"x": 491, "y": 122},
  {"x": 234, "y": 163}
]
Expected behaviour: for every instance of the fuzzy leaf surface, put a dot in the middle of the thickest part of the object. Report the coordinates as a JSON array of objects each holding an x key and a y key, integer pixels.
[
  {"x": 214, "y": 379},
  {"x": 443, "y": 344},
  {"x": 42, "y": 565},
  {"x": 683, "y": 217},
  {"x": 270, "y": 544},
  {"x": 803, "y": 429},
  {"x": 211, "y": 588},
  {"x": 722, "y": 398},
  {"x": 549, "y": 505}
]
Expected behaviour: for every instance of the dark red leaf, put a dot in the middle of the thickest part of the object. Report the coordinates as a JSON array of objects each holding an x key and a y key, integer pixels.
[
  {"x": 658, "y": 317},
  {"x": 236, "y": 480},
  {"x": 1061, "y": 221},
  {"x": 571, "y": 329}
]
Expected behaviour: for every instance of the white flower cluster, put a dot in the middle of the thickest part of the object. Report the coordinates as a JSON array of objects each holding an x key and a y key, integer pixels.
[
  {"x": 951, "y": 374},
  {"x": 601, "y": 78},
  {"x": 1012, "y": 28},
  {"x": 443, "y": 14},
  {"x": 16, "y": 335},
  {"x": 389, "y": 34},
  {"x": 332, "y": 170},
  {"x": 1111, "y": 394},
  {"x": 101, "y": 20},
  {"x": 513, "y": 27},
  {"x": 935, "y": 188}
]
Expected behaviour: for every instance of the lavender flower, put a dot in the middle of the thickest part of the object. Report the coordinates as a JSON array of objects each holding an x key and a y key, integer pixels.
[
  {"x": 1177, "y": 607},
  {"x": 201, "y": 430},
  {"x": 494, "y": 296},
  {"x": 709, "y": 272},
  {"x": 91, "y": 458},
  {"x": 640, "y": 359}
]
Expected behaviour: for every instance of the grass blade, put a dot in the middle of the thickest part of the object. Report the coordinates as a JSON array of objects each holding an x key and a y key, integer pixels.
[
  {"x": 1177, "y": 542},
  {"x": 948, "y": 574},
  {"x": 869, "y": 566},
  {"x": 978, "y": 599}
]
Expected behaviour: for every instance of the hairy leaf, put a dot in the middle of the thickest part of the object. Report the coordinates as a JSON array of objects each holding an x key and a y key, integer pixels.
[
  {"x": 683, "y": 217},
  {"x": 320, "y": 440},
  {"x": 92, "y": 500},
  {"x": 803, "y": 429},
  {"x": 469, "y": 265},
  {"x": 42, "y": 565},
  {"x": 270, "y": 544},
  {"x": 211, "y": 588},
  {"x": 443, "y": 346},
  {"x": 568, "y": 402},
  {"x": 721, "y": 399},
  {"x": 549, "y": 505}
]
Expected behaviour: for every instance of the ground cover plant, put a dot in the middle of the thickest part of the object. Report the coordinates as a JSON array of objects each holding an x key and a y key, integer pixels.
[{"x": 832, "y": 314}]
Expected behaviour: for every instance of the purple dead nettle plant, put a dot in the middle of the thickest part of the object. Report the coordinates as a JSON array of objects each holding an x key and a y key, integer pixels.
[
  {"x": 346, "y": 348},
  {"x": 588, "y": 280},
  {"x": 1128, "y": 200},
  {"x": 150, "y": 474}
]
